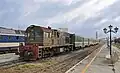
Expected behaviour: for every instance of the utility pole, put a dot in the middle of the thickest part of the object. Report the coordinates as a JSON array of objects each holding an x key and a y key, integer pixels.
[{"x": 96, "y": 35}]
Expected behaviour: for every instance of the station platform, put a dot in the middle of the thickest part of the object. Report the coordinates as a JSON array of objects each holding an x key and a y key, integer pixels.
[{"x": 97, "y": 62}]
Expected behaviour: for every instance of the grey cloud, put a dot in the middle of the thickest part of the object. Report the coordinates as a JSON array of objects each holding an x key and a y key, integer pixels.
[{"x": 13, "y": 13}]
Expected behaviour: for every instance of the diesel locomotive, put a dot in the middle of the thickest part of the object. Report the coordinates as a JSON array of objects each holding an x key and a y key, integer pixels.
[{"x": 43, "y": 42}]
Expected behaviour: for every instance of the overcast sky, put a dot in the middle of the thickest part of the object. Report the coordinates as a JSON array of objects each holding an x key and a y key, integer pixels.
[{"x": 83, "y": 17}]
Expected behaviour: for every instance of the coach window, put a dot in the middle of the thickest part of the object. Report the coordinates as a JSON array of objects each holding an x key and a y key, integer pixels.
[
  {"x": 9, "y": 37},
  {"x": 17, "y": 37},
  {"x": 1, "y": 37}
]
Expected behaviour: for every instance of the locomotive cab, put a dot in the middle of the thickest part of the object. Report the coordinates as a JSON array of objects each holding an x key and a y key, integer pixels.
[
  {"x": 33, "y": 37},
  {"x": 36, "y": 38}
]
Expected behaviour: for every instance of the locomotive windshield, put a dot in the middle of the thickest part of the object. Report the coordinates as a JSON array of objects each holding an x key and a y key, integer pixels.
[
  {"x": 31, "y": 35},
  {"x": 34, "y": 35}
]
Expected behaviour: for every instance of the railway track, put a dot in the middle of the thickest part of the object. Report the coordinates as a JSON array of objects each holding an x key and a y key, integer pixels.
[
  {"x": 63, "y": 66},
  {"x": 9, "y": 64},
  {"x": 59, "y": 67}
]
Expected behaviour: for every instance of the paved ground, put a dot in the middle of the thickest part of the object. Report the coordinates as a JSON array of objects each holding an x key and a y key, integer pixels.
[
  {"x": 8, "y": 57},
  {"x": 98, "y": 64}
]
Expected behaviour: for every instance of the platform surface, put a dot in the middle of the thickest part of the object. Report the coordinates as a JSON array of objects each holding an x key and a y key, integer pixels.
[
  {"x": 98, "y": 63},
  {"x": 8, "y": 57}
]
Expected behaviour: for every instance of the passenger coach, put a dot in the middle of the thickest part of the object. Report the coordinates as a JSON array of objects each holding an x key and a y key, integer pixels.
[{"x": 10, "y": 40}]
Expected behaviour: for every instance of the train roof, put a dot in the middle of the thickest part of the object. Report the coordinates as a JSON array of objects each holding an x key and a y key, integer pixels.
[
  {"x": 12, "y": 34},
  {"x": 46, "y": 29},
  {"x": 43, "y": 28},
  {"x": 6, "y": 31},
  {"x": 49, "y": 29},
  {"x": 10, "y": 31}
]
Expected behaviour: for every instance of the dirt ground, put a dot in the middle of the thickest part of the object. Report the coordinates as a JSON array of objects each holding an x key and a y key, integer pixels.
[{"x": 34, "y": 67}]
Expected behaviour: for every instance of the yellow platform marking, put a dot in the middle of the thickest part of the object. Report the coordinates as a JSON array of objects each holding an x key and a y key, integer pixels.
[
  {"x": 86, "y": 67},
  {"x": 76, "y": 64}
]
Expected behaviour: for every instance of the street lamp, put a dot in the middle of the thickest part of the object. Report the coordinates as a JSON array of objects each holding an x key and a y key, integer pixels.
[
  {"x": 110, "y": 30},
  {"x": 116, "y": 29},
  {"x": 105, "y": 30}
]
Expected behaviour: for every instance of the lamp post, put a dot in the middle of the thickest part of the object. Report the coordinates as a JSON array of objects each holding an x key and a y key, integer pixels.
[{"x": 110, "y": 30}]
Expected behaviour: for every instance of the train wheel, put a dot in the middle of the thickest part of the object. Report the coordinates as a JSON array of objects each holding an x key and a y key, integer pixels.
[
  {"x": 51, "y": 53},
  {"x": 5, "y": 52},
  {"x": 28, "y": 55}
]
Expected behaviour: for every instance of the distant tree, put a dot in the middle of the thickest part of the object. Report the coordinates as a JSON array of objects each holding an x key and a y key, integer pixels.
[{"x": 117, "y": 40}]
